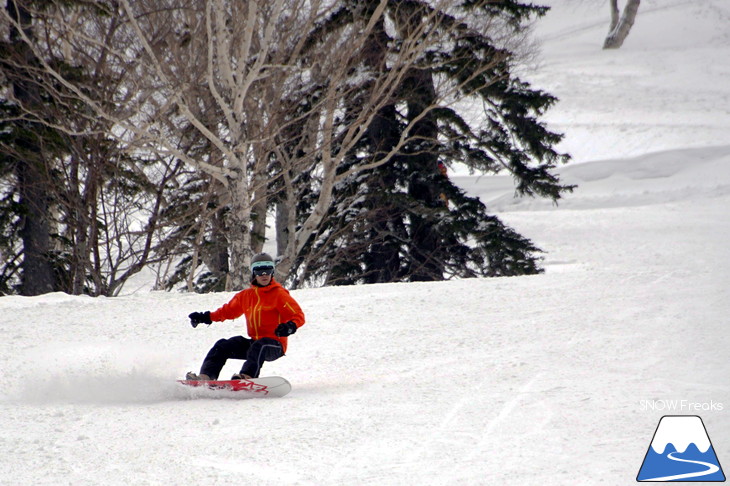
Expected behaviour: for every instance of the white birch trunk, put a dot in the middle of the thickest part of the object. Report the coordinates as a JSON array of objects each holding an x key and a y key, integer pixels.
[
  {"x": 620, "y": 30},
  {"x": 238, "y": 221}
]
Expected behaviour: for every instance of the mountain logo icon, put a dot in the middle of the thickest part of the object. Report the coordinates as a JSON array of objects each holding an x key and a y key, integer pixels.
[{"x": 680, "y": 451}]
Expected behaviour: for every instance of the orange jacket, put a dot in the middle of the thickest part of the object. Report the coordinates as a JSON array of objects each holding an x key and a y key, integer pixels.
[{"x": 265, "y": 308}]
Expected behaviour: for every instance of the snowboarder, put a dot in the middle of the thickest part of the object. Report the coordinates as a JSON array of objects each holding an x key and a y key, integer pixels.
[{"x": 271, "y": 315}]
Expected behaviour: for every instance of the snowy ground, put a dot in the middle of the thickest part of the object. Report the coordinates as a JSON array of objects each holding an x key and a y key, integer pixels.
[
  {"x": 557, "y": 379},
  {"x": 666, "y": 88}
]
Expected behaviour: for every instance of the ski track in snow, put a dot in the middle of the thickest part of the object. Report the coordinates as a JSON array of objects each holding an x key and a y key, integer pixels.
[{"x": 533, "y": 380}]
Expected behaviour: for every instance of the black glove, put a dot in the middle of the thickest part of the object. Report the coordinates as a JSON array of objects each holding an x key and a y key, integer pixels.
[
  {"x": 286, "y": 329},
  {"x": 200, "y": 318}
]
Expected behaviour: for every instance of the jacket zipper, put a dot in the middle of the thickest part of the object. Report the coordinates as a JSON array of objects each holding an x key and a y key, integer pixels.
[{"x": 256, "y": 314}]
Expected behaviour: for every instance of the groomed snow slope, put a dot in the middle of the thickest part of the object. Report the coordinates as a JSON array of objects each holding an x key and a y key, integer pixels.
[{"x": 528, "y": 380}]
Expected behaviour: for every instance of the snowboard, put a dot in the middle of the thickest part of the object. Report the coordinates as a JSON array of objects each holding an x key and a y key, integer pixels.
[{"x": 267, "y": 387}]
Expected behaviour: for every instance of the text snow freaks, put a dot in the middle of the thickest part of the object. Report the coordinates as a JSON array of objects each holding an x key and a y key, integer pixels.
[{"x": 680, "y": 406}]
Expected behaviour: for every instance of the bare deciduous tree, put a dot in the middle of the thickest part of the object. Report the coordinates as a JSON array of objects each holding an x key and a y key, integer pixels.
[{"x": 105, "y": 195}]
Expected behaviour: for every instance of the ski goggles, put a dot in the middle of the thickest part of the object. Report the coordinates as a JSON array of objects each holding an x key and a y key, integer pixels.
[{"x": 262, "y": 268}]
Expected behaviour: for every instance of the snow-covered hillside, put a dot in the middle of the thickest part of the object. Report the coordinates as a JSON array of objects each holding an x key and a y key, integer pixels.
[
  {"x": 558, "y": 378},
  {"x": 665, "y": 89}
]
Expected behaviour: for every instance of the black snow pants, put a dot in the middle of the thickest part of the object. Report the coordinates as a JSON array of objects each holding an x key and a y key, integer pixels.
[{"x": 238, "y": 347}]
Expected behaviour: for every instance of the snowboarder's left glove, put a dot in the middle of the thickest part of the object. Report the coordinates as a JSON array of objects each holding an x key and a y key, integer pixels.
[
  {"x": 200, "y": 318},
  {"x": 286, "y": 329}
]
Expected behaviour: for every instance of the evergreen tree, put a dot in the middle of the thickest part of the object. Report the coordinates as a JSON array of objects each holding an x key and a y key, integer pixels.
[
  {"x": 30, "y": 167},
  {"x": 406, "y": 221}
]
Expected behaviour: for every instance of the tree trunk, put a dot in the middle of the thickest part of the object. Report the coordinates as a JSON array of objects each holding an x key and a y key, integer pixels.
[
  {"x": 215, "y": 253},
  {"x": 383, "y": 261},
  {"x": 286, "y": 218},
  {"x": 239, "y": 235},
  {"x": 615, "y": 15},
  {"x": 79, "y": 225},
  {"x": 37, "y": 271},
  {"x": 258, "y": 231},
  {"x": 37, "y": 275},
  {"x": 620, "y": 30},
  {"x": 423, "y": 164},
  {"x": 282, "y": 227}
]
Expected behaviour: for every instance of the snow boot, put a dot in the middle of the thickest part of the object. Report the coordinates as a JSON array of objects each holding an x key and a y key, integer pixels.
[
  {"x": 195, "y": 377},
  {"x": 240, "y": 376}
]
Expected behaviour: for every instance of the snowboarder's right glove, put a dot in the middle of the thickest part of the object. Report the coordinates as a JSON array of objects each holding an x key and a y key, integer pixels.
[{"x": 200, "y": 318}]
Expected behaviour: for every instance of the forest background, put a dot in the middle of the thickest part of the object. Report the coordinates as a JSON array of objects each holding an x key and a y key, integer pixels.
[{"x": 182, "y": 136}]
